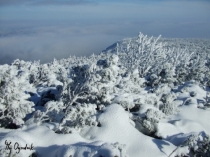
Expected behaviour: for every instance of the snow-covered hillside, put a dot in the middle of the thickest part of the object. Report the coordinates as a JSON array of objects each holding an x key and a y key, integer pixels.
[{"x": 143, "y": 96}]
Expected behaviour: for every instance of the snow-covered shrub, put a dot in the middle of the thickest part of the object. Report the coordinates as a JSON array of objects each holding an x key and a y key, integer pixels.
[
  {"x": 161, "y": 89},
  {"x": 202, "y": 148},
  {"x": 136, "y": 82},
  {"x": 148, "y": 123},
  {"x": 207, "y": 103},
  {"x": 64, "y": 130},
  {"x": 130, "y": 82},
  {"x": 104, "y": 96},
  {"x": 79, "y": 116},
  {"x": 14, "y": 98},
  {"x": 125, "y": 100},
  {"x": 52, "y": 112},
  {"x": 198, "y": 146},
  {"x": 110, "y": 73},
  {"x": 49, "y": 93},
  {"x": 145, "y": 126},
  {"x": 77, "y": 111},
  {"x": 206, "y": 80},
  {"x": 90, "y": 84},
  {"x": 142, "y": 52},
  {"x": 50, "y": 79},
  {"x": 169, "y": 106},
  {"x": 149, "y": 126},
  {"x": 193, "y": 68},
  {"x": 168, "y": 98},
  {"x": 151, "y": 55},
  {"x": 154, "y": 116},
  {"x": 151, "y": 99},
  {"x": 167, "y": 74},
  {"x": 153, "y": 80},
  {"x": 103, "y": 81}
]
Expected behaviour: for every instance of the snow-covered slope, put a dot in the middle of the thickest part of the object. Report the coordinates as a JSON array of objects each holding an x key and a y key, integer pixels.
[{"x": 142, "y": 96}]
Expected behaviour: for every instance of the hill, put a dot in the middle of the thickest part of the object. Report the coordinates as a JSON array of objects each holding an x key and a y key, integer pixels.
[{"x": 143, "y": 96}]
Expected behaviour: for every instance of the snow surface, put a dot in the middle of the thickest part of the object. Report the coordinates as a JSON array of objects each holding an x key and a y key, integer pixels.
[{"x": 119, "y": 129}]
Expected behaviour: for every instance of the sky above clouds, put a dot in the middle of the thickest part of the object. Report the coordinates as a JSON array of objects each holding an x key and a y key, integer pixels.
[{"x": 47, "y": 29}]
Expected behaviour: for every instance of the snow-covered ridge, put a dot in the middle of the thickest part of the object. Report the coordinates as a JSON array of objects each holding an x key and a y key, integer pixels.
[{"x": 143, "y": 96}]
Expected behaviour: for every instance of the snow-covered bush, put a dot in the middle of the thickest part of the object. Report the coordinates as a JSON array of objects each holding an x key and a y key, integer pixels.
[
  {"x": 169, "y": 106},
  {"x": 151, "y": 99},
  {"x": 154, "y": 116},
  {"x": 52, "y": 112},
  {"x": 130, "y": 82},
  {"x": 149, "y": 126},
  {"x": 153, "y": 80},
  {"x": 148, "y": 123},
  {"x": 198, "y": 145},
  {"x": 202, "y": 148},
  {"x": 52, "y": 93},
  {"x": 142, "y": 52},
  {"x": 145, "y": 126},
  {"x": 167, "y": 74},
  {"x": 14, "y": 98},
  {"x": 79, "y": 116},
  {"x": 153, "y": 56},
  {"x": 125, "y": 100},
  {"x": 103, "y": 81}
]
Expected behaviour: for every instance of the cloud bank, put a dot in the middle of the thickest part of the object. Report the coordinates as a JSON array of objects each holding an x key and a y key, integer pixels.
[
  {"x": 47, "y": 29},
  {"x": 46, "y": 43}
]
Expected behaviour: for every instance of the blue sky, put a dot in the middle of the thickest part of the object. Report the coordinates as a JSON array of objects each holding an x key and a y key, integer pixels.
[{"x": 44, "y": 29}]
